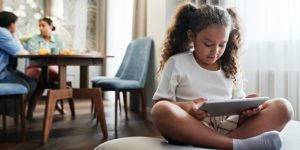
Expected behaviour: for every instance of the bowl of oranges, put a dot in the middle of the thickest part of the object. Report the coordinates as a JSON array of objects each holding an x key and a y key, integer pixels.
[
  {"x": 67, "y": 52},
  {"x": 43, "y": 52}
]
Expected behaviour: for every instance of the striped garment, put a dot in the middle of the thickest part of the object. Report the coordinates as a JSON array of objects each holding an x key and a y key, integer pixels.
[{"x": 222, "y": 124}]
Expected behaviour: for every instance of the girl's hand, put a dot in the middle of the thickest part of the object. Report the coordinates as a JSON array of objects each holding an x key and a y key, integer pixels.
[
  {"x": 196, "y": 112},
  {"x": 253, "y": 111},
  {"x": 253, "y": 95}
]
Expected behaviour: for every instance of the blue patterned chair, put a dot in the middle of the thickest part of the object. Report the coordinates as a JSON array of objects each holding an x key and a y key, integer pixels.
[{"x": 14, "y": 91}]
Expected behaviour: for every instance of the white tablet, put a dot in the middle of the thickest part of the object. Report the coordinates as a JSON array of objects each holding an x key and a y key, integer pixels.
[{"x": 231, "y": 107}]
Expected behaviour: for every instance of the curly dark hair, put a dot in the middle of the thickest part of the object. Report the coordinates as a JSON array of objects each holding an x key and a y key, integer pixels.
[
  {"x": 189, "y": 17},
  {"x": 229, "y": 59}
]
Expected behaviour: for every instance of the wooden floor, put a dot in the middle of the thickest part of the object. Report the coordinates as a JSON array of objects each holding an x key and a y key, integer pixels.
[{"x": 80, "y": 133}]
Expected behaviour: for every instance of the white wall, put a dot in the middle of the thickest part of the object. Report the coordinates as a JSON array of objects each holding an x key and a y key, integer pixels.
[
  {"x": 159, "y": 15},
  {"x": 156, "y": 25}
]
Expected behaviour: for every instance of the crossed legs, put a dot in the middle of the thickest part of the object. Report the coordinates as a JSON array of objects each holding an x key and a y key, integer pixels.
[
  {"x": 176, "y": 124},
  {"x": 274, "y": 116}
]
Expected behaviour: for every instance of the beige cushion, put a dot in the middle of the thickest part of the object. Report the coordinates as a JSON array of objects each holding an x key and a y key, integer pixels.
[
  {"x": 290, "y": 138},
  {"x": 141, "y": 143}
]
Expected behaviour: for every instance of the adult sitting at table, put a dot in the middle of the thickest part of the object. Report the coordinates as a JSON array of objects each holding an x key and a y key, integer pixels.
[
  {"x": 11, "y": 46},
  {"x": 45, "y": 41}
]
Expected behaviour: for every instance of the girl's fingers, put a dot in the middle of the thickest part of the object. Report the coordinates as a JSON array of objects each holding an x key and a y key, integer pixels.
[
  {"x": 199, "y": 100},
  {"x": 252, "y": 95},
  {"x": 251, "y": 112},
  {"x": 202, "y": 116},
  {"x": 199, "y": 114}
]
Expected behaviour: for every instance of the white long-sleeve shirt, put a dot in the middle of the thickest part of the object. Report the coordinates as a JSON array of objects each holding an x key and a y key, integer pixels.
[{"x": 184, "y": 79}]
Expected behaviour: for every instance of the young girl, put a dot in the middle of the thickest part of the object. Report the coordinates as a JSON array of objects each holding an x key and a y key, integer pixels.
[{"x": 200, "y": 62}]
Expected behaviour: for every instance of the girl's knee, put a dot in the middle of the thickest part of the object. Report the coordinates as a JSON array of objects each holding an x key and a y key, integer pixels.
[
  {"x": 282, "y": 105},
  {"x": 164, "y": 112},
  {"x": 160, "y": 109}
]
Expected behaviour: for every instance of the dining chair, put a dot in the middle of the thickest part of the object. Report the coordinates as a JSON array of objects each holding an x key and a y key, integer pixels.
[
  {"x": 14, "y": 91},
  {"x": 131, "y": 75}
]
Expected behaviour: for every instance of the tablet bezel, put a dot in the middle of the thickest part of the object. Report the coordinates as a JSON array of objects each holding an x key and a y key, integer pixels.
[{"x": 231, "y": 107}]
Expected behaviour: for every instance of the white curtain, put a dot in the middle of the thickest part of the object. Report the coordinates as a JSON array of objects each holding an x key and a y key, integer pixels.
[
  {"x": 139, "y": 26},
  {"x": 271, "y": 47},
  {"x": 119, "y": 34}
]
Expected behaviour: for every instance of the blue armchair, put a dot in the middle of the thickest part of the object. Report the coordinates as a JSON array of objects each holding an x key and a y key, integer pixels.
[{"x": 131, "y": 75}]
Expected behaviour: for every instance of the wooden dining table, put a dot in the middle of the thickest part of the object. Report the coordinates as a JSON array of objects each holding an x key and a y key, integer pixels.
[{"x": 64, "y": 92}]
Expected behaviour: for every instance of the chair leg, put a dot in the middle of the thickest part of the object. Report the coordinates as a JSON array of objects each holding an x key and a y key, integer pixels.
[
  {"x": 4, "y": 115},
  {"x": 22, "y": 113},
  {"x": 69, "y": 84},
  {"x": 71, "y": 100},
  {"x": 120, "y": 107},
  {"x": 72, "y": 107},
  {"x": 16, "y": 118},
  {"x": 62, "y": 106},
  {"x": 116, "y": 110},
  {"x": 143, "y": 104},
  {"x": 92, "y": 106},
  {"x": 125, "y": 104},
  {"x": 32, "y": 103},
  {"x": 59, "y": 108}
]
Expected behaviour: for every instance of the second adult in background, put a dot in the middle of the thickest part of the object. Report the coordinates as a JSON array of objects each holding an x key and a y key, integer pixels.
[{"x": 45, "y": 40}]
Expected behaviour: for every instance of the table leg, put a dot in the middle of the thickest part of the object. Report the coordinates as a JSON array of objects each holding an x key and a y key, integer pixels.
[
  {"x": 95, "y": 95},
  {"x": 84, "y": 77},
  {"x": 62, "y": 78},
  {"x": 53, "y": 96}
]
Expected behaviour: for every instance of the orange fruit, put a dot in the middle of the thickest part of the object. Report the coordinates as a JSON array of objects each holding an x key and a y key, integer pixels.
[{"x": 43, "y": 52}]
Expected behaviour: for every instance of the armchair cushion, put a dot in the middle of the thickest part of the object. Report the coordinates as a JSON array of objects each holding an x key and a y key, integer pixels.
[
  {"x": 98, "y": 78},
  {"x": 12, "y": 89},
  {"x": 116, "y": 84}
]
